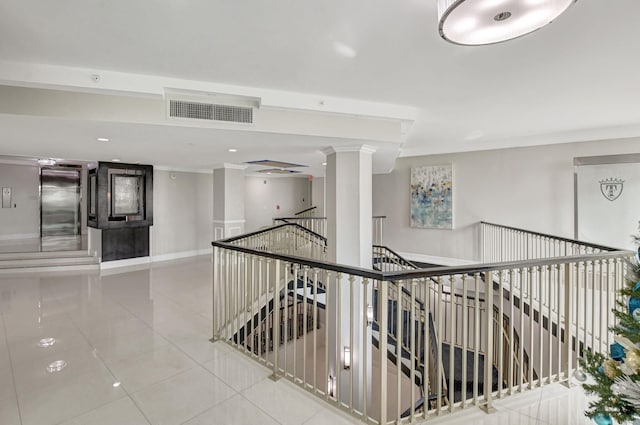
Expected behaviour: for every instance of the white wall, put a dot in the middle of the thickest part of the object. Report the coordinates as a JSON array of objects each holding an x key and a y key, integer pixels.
[
  {"x": 264, "y": 195},
  {"x": 596, "y": 213},
  {"x": 182, "y": 212},
  {"x": 317, "y": 196},
  {"x": 23, "y": 221},
  {"x": 531, "y": 188}
]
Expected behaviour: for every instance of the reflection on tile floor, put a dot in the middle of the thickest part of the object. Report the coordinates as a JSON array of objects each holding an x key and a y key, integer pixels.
[{"x": 137, "y": 352}]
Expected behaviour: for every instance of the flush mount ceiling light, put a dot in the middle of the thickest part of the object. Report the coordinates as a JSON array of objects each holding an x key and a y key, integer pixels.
[
  {"x": 46, "y": 162},
  {"x": 478, "y": 22}
]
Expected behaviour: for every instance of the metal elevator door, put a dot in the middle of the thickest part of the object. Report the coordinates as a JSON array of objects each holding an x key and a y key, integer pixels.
[{"x": 59, "y": 202}]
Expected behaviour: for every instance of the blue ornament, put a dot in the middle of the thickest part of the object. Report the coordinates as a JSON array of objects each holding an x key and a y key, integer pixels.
[
  {"x": 637, "y": 286},
  {"x": 617, "y": 351},
  {"x": 634, "y": 302},
  {"x": 603, "y": 419},
  {"x": 601, "y": 369}
]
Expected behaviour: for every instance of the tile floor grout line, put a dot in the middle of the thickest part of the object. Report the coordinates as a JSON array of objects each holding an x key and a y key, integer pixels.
[
  {"x": 99, "y": 357},
  {"x": 13, "y": 377}
]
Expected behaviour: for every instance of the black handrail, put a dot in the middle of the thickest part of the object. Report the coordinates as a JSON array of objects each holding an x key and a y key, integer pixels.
[
  {"x": 560, "y": 238},
  {"x": 269, "y": 229},
  {"x": 299, "y": 218},
  {"x": 402, "y": 259},
  {"x": 304, "y": 211},
  {"x": 418, "y": 273},
  {"x": 317, "y": 218}
]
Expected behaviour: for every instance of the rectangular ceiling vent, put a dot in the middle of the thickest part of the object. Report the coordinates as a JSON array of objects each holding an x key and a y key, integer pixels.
[{"x": 210, "y": 112}]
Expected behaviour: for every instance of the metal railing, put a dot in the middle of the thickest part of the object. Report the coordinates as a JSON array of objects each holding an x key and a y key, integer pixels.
[
  {"x": 319, "y": 225},
  {"x": 309, "y": 212},
  {"x": 504, "y": 243},
  {"x": 553, "y": 308}
]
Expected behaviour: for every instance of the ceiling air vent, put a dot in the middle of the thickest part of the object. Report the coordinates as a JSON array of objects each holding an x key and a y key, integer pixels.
[{"x": 210, "y": 112}]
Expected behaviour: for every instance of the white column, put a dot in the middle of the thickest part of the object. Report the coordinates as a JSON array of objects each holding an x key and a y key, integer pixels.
[
  {"x": 349, "y": 235},
  {"x": 228, "y": 201}
]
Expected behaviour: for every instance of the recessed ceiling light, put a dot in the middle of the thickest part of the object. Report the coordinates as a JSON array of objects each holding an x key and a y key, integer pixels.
[
  {"x": 324, "y": 163},
  {"x": 102, "y": 139},
  {"x": 116, "y": 384},
  {"x": 344, "y": 50},
  {"x": 233, "y": 150},
  {"x": 115, "y": 160}
]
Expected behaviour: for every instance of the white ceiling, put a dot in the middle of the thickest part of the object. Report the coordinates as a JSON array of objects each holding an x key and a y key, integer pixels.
[{"x": 576, "y": 77}]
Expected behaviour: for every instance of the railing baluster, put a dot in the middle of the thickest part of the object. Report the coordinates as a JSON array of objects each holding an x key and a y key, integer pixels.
[
  {"x": 366, "y": 343},
  {"x": 488, "y": 372},
  {"x": 383, "y": 320},
  {"x": 276, "y": 323},
  {"x": 398, "y": 338},
  {"x": 352, "y": 347},
  {"x": 452, "y": 342}
]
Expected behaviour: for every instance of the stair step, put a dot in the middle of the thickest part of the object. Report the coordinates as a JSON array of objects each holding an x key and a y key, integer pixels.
[
  {"x": 41, "y": 255},
  {"x": 48, "y": 262}
]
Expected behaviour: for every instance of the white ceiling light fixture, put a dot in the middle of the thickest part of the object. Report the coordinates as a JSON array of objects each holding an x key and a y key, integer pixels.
[
  {"x": 478, "y": 22},
  {"x": 233, "y": 150},
  {"x": 102, "y": 139}
]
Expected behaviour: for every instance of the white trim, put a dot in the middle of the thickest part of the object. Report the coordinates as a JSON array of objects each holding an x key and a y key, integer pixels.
[
  {"x": 153, "y": 86},
  {"x": 124, "y": 263},
  {"x": 49, "y": 269},
  {"x": 181, "y": 254},
  {"x": 19, "y": 236},
  {"x": 229, "y": 221},
  {"x": 338, "y": 149},
  {"x": 229, "y": 165},
  {"x": 153, "y": 259},
  {"x": 182, "y": 170},
  {"x": 235, "y": 231}
]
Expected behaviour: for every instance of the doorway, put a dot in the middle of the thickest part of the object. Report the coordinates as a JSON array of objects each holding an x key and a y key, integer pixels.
[{"x": 60, "y": 209}]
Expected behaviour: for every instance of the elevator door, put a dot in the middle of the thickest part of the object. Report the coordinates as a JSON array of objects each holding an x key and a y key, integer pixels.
[{"x": 59, "y": 202}]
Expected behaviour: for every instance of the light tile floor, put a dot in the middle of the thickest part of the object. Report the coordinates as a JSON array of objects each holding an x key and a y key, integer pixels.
[{"x": 137, "y": 352}]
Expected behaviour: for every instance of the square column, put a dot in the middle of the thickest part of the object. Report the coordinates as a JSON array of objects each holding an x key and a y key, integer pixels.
[
  {"x": 228, "y": 201},
  {"x": 349, "y": 209}
]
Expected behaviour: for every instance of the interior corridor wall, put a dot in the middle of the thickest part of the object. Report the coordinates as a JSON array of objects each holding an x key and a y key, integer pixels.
[
  {"x": 23, "y": 221},
  {"x": 182, "y": 213},
  {"x": 266, "y": 198},
  {"x": 531, "y": 188},
  {"x": 318, "y": 195}
]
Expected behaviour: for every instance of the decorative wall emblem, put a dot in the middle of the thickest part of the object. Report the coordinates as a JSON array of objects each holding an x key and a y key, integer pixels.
[{"x": 611, "y": 188}]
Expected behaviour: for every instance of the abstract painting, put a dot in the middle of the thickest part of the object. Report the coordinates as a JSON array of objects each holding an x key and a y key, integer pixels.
[{"x": 432, "y": 197}]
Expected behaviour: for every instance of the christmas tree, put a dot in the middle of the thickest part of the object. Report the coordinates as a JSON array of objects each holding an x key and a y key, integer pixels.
[{"x": 616, "y": 377}]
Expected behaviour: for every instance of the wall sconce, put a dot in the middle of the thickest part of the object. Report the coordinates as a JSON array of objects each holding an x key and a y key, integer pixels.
[
  {"x": 369, "y": 315},
  {"x": 347, "y": 357},
  {"x": 331, "y": 386}
]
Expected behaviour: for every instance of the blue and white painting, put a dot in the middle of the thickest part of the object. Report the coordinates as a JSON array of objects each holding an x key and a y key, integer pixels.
[{"x": 432, "y": 197}]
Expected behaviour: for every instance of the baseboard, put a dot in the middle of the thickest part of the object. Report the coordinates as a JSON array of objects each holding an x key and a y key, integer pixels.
[
  {"x": 124, "y": 263},
  {"x": 181, "y": 254},
  {"x": 19, "y": 236},
  {"x": 152, "y": 259}
]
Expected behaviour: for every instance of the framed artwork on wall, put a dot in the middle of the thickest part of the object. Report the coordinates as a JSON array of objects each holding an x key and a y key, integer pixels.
[{"x": 432, "y": 197}]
